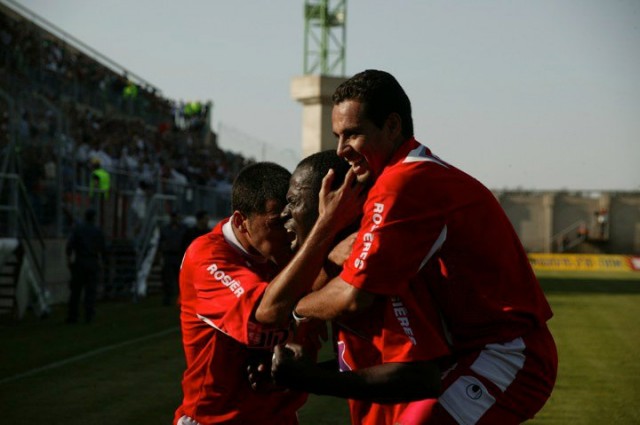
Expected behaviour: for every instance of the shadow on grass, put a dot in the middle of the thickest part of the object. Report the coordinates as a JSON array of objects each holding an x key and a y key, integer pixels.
[{"x": 597, "y": 286}]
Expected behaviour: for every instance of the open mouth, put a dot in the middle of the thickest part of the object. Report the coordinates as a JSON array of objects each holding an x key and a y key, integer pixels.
[
  {"x": 358, "y": 166},
  {"x": 291, "y": 234}
]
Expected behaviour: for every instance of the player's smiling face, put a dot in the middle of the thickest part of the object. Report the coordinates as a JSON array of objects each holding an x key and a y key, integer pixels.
[{"x": 365, "y": 146}]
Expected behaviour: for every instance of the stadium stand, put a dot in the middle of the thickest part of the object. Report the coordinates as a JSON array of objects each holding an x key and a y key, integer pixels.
[{"x": 69, "y": 115}]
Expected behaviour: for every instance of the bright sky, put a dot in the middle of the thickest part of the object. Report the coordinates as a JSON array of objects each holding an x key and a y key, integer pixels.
[{"x": 537, "y": 95}]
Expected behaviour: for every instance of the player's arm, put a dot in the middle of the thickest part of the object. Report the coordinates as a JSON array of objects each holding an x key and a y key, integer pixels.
[
  {"x": 385, "y": 383},
  {"x": 338, "y": 209},
  {"x": 335, "y": 300}
]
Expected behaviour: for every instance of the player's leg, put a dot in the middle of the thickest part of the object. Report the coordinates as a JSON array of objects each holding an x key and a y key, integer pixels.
[{"x": 504, "y": 383}]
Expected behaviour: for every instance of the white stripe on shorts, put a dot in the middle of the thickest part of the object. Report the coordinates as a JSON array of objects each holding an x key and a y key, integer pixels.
[
  {"x": 186, "y": 420},
  {"x": 467, "y": 399},
  {"x": 500, "y": 363}
]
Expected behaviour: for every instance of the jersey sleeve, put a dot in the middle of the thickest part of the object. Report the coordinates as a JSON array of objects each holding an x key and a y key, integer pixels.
[
  {"x": 403, "y": 222},
  {"x": 226, "y": 293}
]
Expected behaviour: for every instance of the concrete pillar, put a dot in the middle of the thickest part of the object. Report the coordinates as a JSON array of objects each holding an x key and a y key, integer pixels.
[
  {"x": 314, "y": 92},
  {"x": 548, "y": 201}
]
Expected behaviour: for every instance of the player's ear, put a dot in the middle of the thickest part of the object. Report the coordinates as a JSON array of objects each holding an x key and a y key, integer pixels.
[
  {"x": 239, "y": 220},
  {"x": 394, "y": 124}
]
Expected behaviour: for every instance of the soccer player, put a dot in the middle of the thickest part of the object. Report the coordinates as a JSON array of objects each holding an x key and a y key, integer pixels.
[
  {"x": 429, "y": 224},
  {"x": 385, "y": 356},
  {"x": 227, "y": 319}
]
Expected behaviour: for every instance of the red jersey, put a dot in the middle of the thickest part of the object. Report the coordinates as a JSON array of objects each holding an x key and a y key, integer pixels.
[
  {"x": 220, "y": 285},
  {"x": 395, "y": 330},
  {"x": 427, "y": 223}
]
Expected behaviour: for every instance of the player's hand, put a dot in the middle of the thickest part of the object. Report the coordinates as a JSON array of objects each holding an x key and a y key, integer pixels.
[
  {"x": 342, "y": 250},
  {"x": 342, "y": 206},
  {"x": 259, "y": 375},
  {"x": 290, "y": 367}
]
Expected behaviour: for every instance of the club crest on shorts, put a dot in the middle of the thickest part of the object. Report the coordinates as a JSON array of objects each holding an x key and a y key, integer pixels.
[{"x": 474, "y": 391}]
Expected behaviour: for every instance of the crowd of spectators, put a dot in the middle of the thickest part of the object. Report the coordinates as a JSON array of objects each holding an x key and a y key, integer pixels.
[{"x": 70, "y": 110}]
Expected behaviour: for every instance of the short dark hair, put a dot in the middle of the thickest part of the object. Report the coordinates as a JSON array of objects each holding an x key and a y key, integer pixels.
[
  {"x": 381, "y": 95},
  {"x": 321, "y": 163},
  {"x": 258, "y": 183}
]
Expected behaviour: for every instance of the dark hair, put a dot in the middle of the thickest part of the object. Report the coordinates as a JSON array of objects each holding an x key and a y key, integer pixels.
[
  {"x": 381, "y": 95},
  {"x": 258, "y": 183},
  {"x": 320, "y": 163}
]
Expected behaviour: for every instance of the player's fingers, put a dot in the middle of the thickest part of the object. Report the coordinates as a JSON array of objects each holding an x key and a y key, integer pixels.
[
  {"x": 349, "y": 178},
  {"x": 277, "y": 355},
  {"x": 327, "y": 180}
]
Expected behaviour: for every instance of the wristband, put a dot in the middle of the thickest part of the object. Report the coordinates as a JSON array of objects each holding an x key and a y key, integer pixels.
[{"x": 297, "y": 317}]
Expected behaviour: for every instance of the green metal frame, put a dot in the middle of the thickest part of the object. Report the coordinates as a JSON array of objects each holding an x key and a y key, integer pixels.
[{"x": 325, "y": 37}]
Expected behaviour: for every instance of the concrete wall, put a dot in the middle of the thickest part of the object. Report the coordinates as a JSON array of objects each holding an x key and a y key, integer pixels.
[
  {"x": 539, "y": 217},
  {"x": 531, "y": 216},
  {"x": 314, "y": 92},
  {"x": 624, "y": 223}
]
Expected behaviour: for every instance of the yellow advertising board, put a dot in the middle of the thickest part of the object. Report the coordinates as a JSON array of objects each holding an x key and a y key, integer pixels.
[{"x": 584, "y": 262}]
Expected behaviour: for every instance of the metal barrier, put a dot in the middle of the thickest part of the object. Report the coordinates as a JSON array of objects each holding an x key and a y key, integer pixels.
[
  {"x": 18, "y": 221},
  {"x": 115, "y": 215},
  {"x": 570, "y": 236}
]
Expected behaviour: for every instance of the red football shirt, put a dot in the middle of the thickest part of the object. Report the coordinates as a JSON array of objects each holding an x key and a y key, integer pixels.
[
  {"x": 220, "y": 284},
  {"x": 426, "y": 222},
  {"x": 395, "y": 330}
]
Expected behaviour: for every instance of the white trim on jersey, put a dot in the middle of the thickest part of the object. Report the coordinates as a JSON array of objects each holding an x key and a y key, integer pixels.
[
  {"x": 342, "y": 361},
  {"x": 467, "y": 399},
  {"x": 435, "y": 247},
  {"x": 230, "y": 237},
  {"x": 419, "y": 154},
  {"x": 210, "y": 323}
]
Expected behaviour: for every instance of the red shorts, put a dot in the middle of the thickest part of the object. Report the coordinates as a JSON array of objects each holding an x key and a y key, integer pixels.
[{"x": 504, "y": 383}]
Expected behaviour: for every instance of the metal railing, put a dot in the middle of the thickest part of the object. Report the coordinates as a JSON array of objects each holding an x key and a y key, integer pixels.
[
  {"x": 146, "y": 244},
  {"x": 571, "y": 236},
  {"x": 19, "y": 221}
]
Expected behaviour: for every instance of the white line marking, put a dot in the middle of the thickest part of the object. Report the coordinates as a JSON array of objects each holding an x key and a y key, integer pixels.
[{"x": 86, "y": 355}]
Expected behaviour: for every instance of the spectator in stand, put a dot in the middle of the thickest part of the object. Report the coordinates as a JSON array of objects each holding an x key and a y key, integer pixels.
[
  {"x": 139, "y": 203},
  {"x": 171, "y": 236},
  {"x": 99, "y": 185},
  {"x": 85, "y": 255},
  {"x": 602, "y": 218}
]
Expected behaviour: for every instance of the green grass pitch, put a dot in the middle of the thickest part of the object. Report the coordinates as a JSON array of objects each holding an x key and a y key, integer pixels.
[{"x": 126, "y": 366}]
